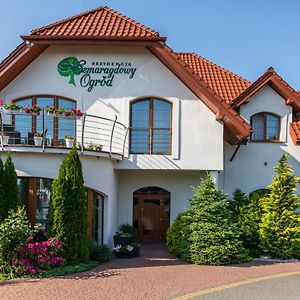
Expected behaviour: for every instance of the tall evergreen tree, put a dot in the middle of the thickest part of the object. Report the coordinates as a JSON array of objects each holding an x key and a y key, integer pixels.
[
  {"x": 280, "y": 224},
  {"x": 69, "y": 219},
  {"x": 10, "y": 188},
  {"x": 211, "y": 236},
  {"x": 3, "y": 213}
]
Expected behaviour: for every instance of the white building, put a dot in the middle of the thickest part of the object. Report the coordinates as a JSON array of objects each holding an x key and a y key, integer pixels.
[{"x": 154, "y": 121}]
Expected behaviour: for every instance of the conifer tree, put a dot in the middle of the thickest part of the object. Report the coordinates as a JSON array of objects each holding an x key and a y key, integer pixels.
[
  {"x": 211, "y": 236},
  {"x": 10, "y": 194},
  {"x": 68, "y": 220},
  {"x": 3, "y": 213},
  {"x": 280, "y": 224}
]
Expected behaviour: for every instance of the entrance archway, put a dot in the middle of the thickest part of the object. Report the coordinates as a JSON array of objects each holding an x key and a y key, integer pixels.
[{"x": 151, "y": 213}]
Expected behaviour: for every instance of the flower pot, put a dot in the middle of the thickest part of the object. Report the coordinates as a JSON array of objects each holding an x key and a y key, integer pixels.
[
  {"x": 123, "y": 254},
  {"x": 54, "y": 115},
  {"x": 15, "y": 112},
  {"x": 4, "y": 139},
  {"x": 73, "y": 117},
  {"x": 32, "y": 113},
  {"x": 38, "y": 140},
  {"x": 123, "y": 241},
  {"x": 136, "y": 252},
  {"x": 69, "y": 143}
]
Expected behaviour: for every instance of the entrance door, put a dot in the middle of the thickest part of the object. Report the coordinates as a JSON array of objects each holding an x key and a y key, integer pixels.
[{"x": 151, "y": 216}]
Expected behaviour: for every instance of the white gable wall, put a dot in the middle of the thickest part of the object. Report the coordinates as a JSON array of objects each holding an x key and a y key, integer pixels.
[
  {"x": 197, "y": 136},
  {"x": 253, "y": 166}
]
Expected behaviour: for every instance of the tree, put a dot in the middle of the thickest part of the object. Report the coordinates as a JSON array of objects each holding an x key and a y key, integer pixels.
[
  {"x": 239, "y": 200},
  {"x": 69, "y": 219},
  {"x": 11, "y": 192},
  {"x": 69, "y": 66},
  {"x": 280, "y": 224},
  {"x": 3, "y": 212},
  {"x": 209, "y": 236}
]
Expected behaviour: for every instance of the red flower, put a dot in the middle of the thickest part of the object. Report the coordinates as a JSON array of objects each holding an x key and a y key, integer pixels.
[{"x": 1, "y": 102}]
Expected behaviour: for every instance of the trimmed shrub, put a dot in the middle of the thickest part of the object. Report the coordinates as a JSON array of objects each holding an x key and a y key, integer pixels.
[
  {"x": 68, "y": 213},
  {"x": 246, "y": 212},
  {"x": 175, "y": 236},
  {"x": 208, "y": 234},
  {"x": 9, "y": 194},
  {"x": 3, "y": 209},
  {"x": 100, "y": 253},
  {"x": 280, "y": 224},
  {"x": 14, "y": 232}
]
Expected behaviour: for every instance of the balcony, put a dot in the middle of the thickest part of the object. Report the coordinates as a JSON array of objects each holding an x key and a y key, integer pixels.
[{"x": 53, "y": 133}]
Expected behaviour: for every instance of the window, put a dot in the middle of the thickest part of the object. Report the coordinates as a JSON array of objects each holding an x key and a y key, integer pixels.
[
  {"x": 56, "y": 127},
  {"x": 97, "y": 218},
  {"x": 266, "y": 127},
  {"x": 151, "y": 126},
  {"x": 36, "y": 195}
]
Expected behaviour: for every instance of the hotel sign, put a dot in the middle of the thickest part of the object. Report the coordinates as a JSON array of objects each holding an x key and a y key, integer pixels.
[{"x": 95, "y": 74}]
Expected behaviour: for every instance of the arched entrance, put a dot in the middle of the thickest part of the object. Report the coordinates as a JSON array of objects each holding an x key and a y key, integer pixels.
[{"x": 151, "y": 213}]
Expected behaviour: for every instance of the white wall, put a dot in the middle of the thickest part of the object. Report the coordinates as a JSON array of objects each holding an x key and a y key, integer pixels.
[
  {"x": 197, "y": 136},
  {"x": 98, "y": 174},
  {"x": 178, "y": 183},
  {"x": 253, "y": 165}
]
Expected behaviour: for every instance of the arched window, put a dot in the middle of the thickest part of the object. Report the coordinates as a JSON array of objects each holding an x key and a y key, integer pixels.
[
  {"x": 265, "y": 127},
  {"x": 151, "y": 126},
  {"x": 57, "y": 128}
]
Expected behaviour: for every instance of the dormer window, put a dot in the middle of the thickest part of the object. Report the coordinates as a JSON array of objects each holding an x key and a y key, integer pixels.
[
  {"x": 265, "y": 127},
  {"x": 150, "y": 126}
]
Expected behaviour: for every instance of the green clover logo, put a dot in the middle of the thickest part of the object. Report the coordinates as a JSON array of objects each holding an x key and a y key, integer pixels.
[{"x": 69, "y": 66}]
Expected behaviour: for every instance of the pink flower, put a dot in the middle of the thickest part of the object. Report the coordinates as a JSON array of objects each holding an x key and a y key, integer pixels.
[
  {"x": 1, "y": 102},
  {"x": 38, "y": 113},
  {"x": 34, "y": 105}
]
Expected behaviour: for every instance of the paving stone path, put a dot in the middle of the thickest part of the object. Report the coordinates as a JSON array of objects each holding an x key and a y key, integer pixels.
[{"x": 154, "y": 275}]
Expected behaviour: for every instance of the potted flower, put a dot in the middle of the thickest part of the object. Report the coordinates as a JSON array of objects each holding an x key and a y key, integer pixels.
[
  {"x": 74, "y": 114},
  {"x": 69, "y": 141},
  {"x": 55, "y": 112},
  {"x": 122, "y": 238},
  {"x": 125, "y": 235},
  {"x": 4, "y": 139},
  {"x": 13, "y": 108},
  {"x": 38, "y": 138},
  {"x": 33, "y": 110},
  {"x": 136, "y": 249},
  {"x": 123, "y": 251}
]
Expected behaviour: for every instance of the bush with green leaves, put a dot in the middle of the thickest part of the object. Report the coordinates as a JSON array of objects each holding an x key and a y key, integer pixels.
[
  {"x": 9, "y": 194},
  {"x": 209, "y": 235},
  {"x": 175, "y": 239},
  {"x": 127, "y": 229},
  {"x": 280, "y": 224},
  {"x": 14, "y": 232},
  {"x": 248, "y": 220},
  {"x": 100, "y": 253},
  {"x": 68, "y": 219}
]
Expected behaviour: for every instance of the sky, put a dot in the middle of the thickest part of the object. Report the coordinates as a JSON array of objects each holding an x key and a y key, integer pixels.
[{"x": 244, "y": 36}]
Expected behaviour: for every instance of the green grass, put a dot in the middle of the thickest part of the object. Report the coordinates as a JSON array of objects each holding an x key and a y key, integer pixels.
[{"x": 62, "y": 271}]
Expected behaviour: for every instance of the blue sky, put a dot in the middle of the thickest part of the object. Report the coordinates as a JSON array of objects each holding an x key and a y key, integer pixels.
[{"x": 244, "y": 36}]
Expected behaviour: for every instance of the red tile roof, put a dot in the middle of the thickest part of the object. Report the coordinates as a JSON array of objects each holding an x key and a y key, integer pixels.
[
  {"x": 276, "y": 82},
  {"x": 225, "y": 83},
  {"x": 295, "y": 132},
  {"x": 100, "y": 22}
]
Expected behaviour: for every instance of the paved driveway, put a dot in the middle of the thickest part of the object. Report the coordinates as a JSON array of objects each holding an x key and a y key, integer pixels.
[{"x": 154, "y": 275}]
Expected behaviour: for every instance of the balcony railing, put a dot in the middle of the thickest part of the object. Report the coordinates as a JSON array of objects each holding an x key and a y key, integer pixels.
[{"x": 88, "y": 132}]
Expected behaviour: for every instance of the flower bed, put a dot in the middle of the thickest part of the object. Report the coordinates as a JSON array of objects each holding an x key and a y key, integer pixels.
[{"x": 35, "y": 257}]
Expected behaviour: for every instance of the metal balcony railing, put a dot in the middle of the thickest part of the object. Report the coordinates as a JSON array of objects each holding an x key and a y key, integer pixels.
[{"x": 88, "y": 132}]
